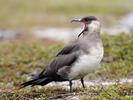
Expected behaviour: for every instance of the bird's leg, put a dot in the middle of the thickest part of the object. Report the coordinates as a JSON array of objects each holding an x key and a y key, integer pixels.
[
  {"x": 82, "y": 81},
  {"x": 70, "y": 84}
]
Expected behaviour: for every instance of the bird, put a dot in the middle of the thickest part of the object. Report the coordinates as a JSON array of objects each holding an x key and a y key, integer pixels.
[{"x": 75, "y": 60}]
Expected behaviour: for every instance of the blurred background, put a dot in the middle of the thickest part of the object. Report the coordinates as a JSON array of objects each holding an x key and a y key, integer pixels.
[
  {"x": 33, "y": 31},
  {"x": 43, "y": 17}
]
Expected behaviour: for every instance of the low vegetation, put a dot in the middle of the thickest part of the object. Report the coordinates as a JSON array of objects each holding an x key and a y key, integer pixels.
[{"x": 19, "y": 58}]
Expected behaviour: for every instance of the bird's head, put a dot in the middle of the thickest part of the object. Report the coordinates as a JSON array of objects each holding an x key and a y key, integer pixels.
[{"x": 91, "y": 24}]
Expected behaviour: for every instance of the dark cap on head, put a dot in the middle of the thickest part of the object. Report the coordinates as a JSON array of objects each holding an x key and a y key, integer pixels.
[{"x": 87, "y": 19}]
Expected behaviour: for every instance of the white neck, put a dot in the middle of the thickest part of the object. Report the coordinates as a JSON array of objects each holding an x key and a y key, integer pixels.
[{"x": 94, "y": 27}]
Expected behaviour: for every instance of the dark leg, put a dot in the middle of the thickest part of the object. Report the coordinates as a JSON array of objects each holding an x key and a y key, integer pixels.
[
  {"x": 82, "y": 81},
  {"x": 70, "y": 84}
]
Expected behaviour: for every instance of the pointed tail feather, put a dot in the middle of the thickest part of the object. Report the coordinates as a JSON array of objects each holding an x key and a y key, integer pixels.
[
  {"x": 39, "y": 81},
  {"x": 27, "y": 83}
]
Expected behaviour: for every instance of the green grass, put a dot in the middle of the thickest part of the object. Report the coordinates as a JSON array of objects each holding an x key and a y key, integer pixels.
[
  {"x": 18, "y": 58},
  {"x": 32, "y": 13}
]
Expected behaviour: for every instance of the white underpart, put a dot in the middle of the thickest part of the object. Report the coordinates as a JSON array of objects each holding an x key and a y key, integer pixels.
[{"x": 86, "y": 63}]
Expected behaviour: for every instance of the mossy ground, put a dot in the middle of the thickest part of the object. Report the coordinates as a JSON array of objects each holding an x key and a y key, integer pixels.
[{"x": 18, "y": 58}]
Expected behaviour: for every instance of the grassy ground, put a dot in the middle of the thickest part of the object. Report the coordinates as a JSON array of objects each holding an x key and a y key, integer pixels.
[
  {"x": 29, "y": 13},
  {"x": 18, "y": 58}
]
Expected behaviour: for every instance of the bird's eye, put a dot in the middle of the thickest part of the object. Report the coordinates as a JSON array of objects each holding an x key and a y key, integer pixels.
[{"x": 86, "y": 19}]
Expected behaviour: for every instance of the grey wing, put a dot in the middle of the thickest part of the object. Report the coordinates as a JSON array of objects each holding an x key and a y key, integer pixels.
[
  {"x": 66, "y": 57},
  {"x": 69, "y": 49},
  {"x": 56, "y": 70},
  {"x": 64, "y": 60}
]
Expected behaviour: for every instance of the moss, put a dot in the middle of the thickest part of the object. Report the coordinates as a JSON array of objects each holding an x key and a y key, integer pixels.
[{"x": 16, "y": 58}]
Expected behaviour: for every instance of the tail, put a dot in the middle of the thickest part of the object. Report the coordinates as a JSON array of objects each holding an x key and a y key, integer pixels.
[{"x": 37, "y": 81}]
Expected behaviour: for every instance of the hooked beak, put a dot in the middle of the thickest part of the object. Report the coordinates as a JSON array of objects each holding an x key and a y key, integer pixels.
[{"x": 76, "y": 20}]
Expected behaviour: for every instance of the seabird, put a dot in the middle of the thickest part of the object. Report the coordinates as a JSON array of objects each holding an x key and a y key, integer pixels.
[{"x": 76, "y": 59}]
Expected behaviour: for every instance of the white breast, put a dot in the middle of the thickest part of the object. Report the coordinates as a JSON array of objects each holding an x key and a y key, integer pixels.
[{"x": 86, "y": 63}]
